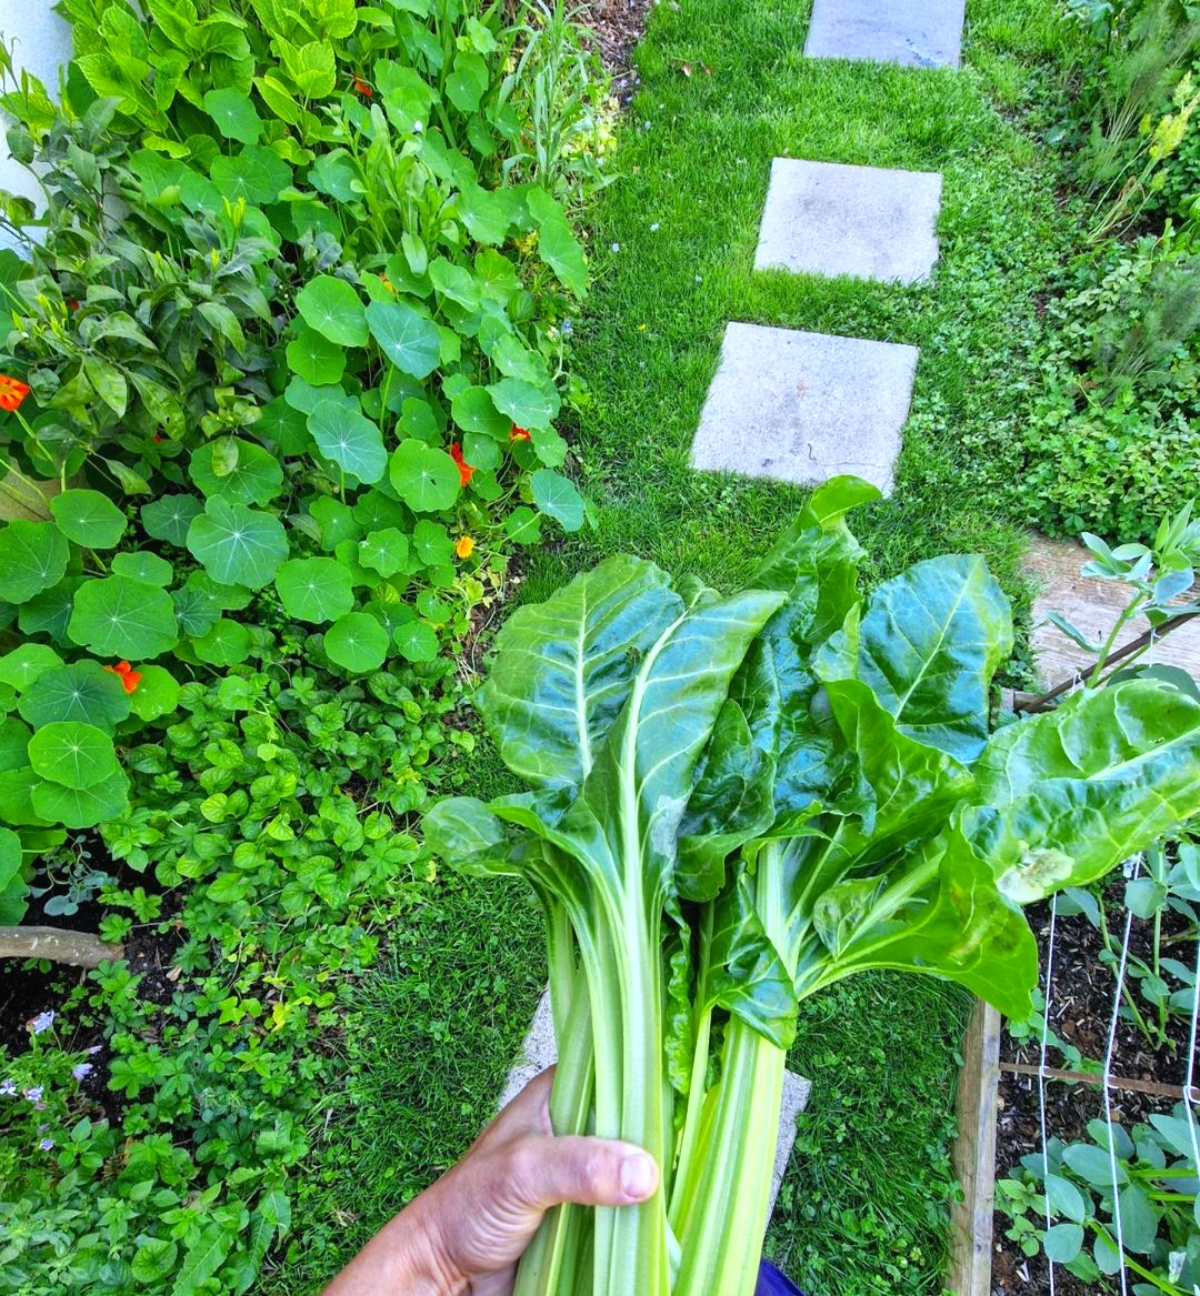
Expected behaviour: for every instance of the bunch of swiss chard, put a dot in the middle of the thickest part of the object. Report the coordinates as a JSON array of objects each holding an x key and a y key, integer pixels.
[{"x": 736, "y": 800}]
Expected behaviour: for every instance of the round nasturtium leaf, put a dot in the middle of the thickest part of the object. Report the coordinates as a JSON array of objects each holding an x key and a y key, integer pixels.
[
  {"x": 350, "y": 439},
  {"x": 16, "y": 797},
  {"x": 10, "y": 857},
  {"x": 23, "y": 665},
  {"x": 524, "y": 526},
  {"x": 416, "y": 642},
  {"x": 33, "y": 557},
  {"x": 168, "y": 518},
  {"x": 336, "y": 521},
  {"x": 334, "y": 309},
  {"x": 374, "y": 511},
  {"x": 410, "y": 341},
  {"x": 473, "y": 410},
  {"x": 14, "y": 744},
  {"x": 558, "y": 498},
  {"x": 236, "y": 544},
  {"x": 72, "y": 753},
  {"x": 385, "y": 552},
  {"x": 236, "y": 470},
  {"x": 144, "y": 566},
  {"x": 427, "y": 480},
  {"x": 82, "y": 691},
  {"x": 528, "y": 406},
  {"x": 256, "y": 174},
  {"x": 314, "y": 589},
  {"x": 196, "y": 608},
  {"x": 50, "y": 611},
  {"x": 88, "y": 518},
  {"x": 234, "y": 114},
  {"x": 315, "y": 358},
  {"x": 357, "y": 641},
  {"x": 226, "y": 643},
  {"x": 82, "y": 807},
  {"x": 432, "y": 542},
  {"x": 156, "y": 695},
  {"x": 119, "y": 617}
]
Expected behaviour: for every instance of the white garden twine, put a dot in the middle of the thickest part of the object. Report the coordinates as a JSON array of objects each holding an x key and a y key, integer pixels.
[
  {"x": 1107, "y": 1082},
  {"x": 1041, "y": 1077}
]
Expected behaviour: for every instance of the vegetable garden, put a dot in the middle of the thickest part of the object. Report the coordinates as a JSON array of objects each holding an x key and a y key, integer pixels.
[{"x": 370, "y": 652}]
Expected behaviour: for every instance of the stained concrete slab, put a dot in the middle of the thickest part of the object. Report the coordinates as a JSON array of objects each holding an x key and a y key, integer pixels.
[
  {"x": 824, "y": 218},
  {"x": 804, "y": 407},
  {"x": 1093, "y": 606},
  {"x": 41, "y": 43},
  {"x": 913, "y": 33},
  {"x": 539, "y": 1051}
]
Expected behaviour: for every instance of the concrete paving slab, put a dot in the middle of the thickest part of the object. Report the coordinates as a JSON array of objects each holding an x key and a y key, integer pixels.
[
  {"x": 804, "y": 407},
  {"x": 913, "y": 33},
  {"x": 826, "y": 219},
  {"x": 539, "y": 1051},
  {"x": 1093, "y": 606}
]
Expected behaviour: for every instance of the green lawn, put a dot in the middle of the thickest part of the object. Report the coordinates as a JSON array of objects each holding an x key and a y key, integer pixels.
[{"x": 864, "y": 1207}]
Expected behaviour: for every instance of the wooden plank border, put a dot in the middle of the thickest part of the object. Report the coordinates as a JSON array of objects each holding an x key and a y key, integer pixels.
[{"x": 975, "y": 1155}]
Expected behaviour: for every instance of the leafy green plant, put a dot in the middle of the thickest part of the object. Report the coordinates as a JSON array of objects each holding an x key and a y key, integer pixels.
[
  {"x": 1145, "y": 1175},
  {"x": 739, "y": 800}
]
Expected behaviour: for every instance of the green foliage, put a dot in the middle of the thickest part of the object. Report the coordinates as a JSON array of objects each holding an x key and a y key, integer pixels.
[
  {"x": 324, "y": 247},
  {"x": 1140, "y": 1182},
  {"x": 737, "y": 801}
]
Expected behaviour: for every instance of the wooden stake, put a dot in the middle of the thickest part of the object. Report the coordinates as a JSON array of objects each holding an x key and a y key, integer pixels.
[
  {"x": 79, "y": 949},
  {"x": 975, "y": 1155}
]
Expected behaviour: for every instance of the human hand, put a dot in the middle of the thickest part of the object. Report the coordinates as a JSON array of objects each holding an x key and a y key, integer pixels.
[{"x": 466, "y": 1233}]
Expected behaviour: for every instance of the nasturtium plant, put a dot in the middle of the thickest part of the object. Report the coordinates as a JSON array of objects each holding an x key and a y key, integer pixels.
[
  {"x": 314, "y": 589},
  {"x": 737, "y": 800},
  {"x": 117, "y": 616},
  {"x": 88, "y": 518},
  {"x": 357, "y": 642}
]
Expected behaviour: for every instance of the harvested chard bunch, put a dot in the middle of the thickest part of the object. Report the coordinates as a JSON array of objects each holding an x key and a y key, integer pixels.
[{"x": 736, "y": 800}]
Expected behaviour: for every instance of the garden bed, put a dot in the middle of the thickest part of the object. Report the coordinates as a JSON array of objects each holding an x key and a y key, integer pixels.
[{"x": 1081, "y": 1006}]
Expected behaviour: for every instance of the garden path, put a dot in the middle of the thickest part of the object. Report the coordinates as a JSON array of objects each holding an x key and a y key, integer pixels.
[{"x": 1093, "y": 606}]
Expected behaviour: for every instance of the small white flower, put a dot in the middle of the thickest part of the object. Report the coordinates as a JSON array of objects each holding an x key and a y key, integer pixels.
[
  {"x": 654, "y": 228},
  {"x": 417, "y": 128},
  {"x": 699, "y": 278},
  {"x": 616, "y": 247}
]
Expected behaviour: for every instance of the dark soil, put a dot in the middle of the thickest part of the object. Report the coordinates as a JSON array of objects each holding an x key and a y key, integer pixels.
[
  {"x": 618, "y": 26},
  {"x": 1081, "y": 1007},
  {"x": 26, "y": 990}
]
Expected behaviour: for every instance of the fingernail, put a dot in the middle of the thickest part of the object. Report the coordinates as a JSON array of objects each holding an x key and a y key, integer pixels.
[{"x": 637, "y": 1177}]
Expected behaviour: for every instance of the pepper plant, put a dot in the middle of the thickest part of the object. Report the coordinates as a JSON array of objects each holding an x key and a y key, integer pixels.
[{"x": 737, "y": 800}]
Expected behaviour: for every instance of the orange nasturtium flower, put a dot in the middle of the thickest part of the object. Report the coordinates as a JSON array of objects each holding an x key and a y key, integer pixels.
[
  {"x": 465, "y": 546},
  {"x": 12, "y": 392},
  {"x": 128, "y": 676},
  {"x": 362, "y": 88},
  {"x": 519, "y": 434},
  {"x": 465, "y": 470}
]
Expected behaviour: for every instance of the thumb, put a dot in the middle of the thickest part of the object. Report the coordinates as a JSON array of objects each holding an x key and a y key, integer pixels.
[{"x": 589, "y": 1171}]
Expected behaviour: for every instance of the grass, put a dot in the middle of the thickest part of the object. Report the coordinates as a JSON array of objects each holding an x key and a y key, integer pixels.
[{"x": 865, "y": 1203}]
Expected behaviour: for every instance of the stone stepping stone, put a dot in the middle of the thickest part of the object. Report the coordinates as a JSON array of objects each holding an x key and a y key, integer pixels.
[
  {"x": 913, "y": 33},
  {"x": 539, "y": 1051},
  {"x": 804, "y": 407},
  {"x": 1093, "y": 606},
  {"x": 823, "y": 218}
]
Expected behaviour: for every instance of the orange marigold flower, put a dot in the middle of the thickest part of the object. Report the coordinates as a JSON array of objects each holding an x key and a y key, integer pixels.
[
  {"x": 12, "y": 392},
  {"x": 465, "y": 470},
  {"x": 519, "y": 434},
  {"x": 362, "y": 88},
  {"x": 465, "y": 546}
]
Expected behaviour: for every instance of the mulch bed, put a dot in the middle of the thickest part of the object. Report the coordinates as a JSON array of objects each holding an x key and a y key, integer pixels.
[
  {"x": 1080, "y": 1012},
  {"x": 618, "y": 26}
]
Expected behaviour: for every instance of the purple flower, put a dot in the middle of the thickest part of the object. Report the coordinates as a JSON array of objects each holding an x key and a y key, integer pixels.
[
  {"x": 82, "y": 1070},
  {"x": 94, "y": 1049},
  {"x": 46, "y": 1144},
  {"x": 34, "y": 1094},
  {"x": 8, "y": 1088},
  {"x": 42, "y": 1022}
]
